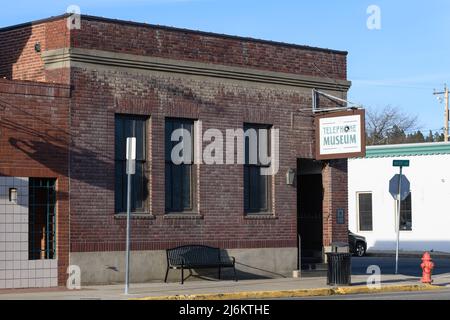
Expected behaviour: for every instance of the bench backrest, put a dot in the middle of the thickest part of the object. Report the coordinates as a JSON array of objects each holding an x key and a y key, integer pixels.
[{"x": 193, "y": 254}]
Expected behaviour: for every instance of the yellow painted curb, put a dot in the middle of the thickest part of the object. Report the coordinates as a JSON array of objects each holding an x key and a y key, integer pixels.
[{"x": 295, "y": 293}]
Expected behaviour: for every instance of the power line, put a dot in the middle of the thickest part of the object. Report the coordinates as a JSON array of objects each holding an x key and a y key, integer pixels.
[{"x": 355, "y": 82}]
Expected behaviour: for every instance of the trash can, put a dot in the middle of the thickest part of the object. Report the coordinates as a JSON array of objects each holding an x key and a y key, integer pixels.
[{"x": 339, "y": 265}]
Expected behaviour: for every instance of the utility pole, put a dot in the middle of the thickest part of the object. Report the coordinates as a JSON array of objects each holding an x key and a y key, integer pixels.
[{"x": 446, "y": 116}]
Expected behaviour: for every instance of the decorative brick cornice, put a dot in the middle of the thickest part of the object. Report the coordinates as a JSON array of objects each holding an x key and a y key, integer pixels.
[{"x": 86, "y": 58}]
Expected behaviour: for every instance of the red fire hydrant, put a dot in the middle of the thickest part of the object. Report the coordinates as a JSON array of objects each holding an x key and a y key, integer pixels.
[{"x": 427, "y": 268}]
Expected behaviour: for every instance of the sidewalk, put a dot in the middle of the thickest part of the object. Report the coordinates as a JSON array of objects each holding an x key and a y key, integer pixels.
[{"x": 245, "y": 289}]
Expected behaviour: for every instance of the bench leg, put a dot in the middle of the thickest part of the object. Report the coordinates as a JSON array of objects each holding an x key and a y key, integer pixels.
[
  {"x": 235, "y": 275},
  {"x": 182, "y": 275},
  {"x": 167, "y": 273},
  {"x": 220, "y": 270}
]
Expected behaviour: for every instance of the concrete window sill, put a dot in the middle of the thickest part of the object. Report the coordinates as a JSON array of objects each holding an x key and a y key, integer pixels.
[
  {"x": 181, "y": 216},
  {"x": 144, "y": 216},
  {"x": 260, "y": 216}
]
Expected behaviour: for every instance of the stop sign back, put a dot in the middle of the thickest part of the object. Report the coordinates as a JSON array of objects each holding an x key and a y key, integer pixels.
[{"x": 405, "y": 187}]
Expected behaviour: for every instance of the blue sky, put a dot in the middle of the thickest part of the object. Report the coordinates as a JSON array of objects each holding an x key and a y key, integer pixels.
[{"x": 398, "y": 65}]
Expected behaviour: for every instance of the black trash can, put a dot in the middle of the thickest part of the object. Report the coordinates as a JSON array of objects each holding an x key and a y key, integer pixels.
[{"x": 339, "y": 269}]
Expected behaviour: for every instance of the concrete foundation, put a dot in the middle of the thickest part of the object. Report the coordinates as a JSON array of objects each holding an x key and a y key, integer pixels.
[{"x": 109, "y": 267}]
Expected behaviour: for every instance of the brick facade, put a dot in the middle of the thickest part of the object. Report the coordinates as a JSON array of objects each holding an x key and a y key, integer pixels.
[
  {"x": 99, "y": 90},
  {"x": 34, "y": 142}
]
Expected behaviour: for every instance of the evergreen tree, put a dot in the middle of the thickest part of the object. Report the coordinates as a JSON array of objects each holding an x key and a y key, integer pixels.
[
  {"x": 430, "y": 137},
  {"x": 396, "y": 135}
]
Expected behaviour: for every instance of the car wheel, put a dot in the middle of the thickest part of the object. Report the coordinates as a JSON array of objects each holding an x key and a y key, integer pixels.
[{"x": 360, "y": 249}]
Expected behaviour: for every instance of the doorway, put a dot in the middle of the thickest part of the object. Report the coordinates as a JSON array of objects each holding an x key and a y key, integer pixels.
[{"x": 309, "y": 210}]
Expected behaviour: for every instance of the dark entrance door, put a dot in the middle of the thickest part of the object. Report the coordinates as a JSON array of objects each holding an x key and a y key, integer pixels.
[{"x": 309, "y": 212}]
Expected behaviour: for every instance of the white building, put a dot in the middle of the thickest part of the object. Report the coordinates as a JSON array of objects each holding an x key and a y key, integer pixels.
[{"x": 425, "y": 214}]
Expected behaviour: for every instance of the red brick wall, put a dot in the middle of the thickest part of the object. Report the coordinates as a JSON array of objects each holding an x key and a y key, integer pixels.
[
  {"x": 98, "y": 95},
  {"x": 335, "y": 197},
  {"x": 219, "y": 105},
  {"x": 18, "y": 58},
  {"x": 34, "y": 137},
  {"x": 202, "y": 47}
]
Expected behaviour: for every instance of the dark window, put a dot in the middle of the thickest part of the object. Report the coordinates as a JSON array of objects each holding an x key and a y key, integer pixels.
[
  {"x": 406, "y": 214},
  {"x": 127, "y": 126},
  {"x": 179, "y": 177},
  {"x": 42, "y": 219},
  {"x": 365, "y": 211},
  {"x": 256, "y": 185}
]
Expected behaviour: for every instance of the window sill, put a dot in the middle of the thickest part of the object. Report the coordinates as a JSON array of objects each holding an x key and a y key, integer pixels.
[
  {"x": 144, "y": 216},
  {"x": 187, "y": 216},
  {"x": 260, "y": 216}
]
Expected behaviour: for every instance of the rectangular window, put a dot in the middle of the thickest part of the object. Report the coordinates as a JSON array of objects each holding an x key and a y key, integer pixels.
[
  {"x": 256, "y": 185},
  {"x": 42, "y": 219},
  {"x": 127, "y": 126},
  {"x": 406, "y": 214},
  {"x": 365, "y": 211},
  {"x": 179, "y": 180}
]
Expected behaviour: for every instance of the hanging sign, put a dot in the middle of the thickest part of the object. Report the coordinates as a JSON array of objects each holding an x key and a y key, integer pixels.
[{"x": 340, "y": 135}]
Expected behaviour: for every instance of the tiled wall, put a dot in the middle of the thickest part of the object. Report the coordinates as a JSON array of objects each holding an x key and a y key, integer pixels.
[{"x": 16, "y": 271}]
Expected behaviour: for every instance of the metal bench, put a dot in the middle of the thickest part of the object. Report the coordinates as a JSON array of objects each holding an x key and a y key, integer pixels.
[{"x": 197, "y": 257}]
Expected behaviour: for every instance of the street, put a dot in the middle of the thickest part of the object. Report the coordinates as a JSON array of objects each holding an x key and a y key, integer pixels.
[{"x": 407, "y": 266}]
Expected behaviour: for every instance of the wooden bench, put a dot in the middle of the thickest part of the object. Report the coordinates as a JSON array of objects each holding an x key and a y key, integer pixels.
[{"x": 197, "y": 257}]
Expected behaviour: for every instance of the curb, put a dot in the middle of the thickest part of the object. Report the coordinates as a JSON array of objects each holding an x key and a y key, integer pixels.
[{"x": 317, "y": 292}]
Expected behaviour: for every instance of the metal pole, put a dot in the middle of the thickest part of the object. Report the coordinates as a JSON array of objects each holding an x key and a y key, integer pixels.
[
  {"x": 299, "y": 253},
  {"x": 446, "y": 115},
  {"x": 399, "y": 203},
  {"x": 127, "y": 259}
]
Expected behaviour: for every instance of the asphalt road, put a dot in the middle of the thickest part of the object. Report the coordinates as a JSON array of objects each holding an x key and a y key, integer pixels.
[
  {"x": 407, "y": 266},
  {"x": 418, "y": 295}
]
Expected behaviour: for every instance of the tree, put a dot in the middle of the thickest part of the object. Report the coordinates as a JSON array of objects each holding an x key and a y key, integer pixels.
[
  {"x": 396, "y": 135},
  {"x": 415, "y": 137},
  {"x": 388, "y": 125},
  {"x": 430, "y": 137},
  {"x": 438, "y": 137}
]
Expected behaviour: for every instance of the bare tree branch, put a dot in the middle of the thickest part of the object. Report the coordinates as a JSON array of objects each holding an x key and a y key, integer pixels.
[{"x": 381, "y": 123}]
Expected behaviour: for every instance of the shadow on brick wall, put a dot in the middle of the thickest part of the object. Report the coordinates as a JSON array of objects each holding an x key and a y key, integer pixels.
[
  {"x": 12, "y": 45},
  {"x": 46, "y": 144}
]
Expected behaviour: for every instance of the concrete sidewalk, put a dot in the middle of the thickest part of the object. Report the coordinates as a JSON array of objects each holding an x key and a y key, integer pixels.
[{"x": 245, "y": 289}]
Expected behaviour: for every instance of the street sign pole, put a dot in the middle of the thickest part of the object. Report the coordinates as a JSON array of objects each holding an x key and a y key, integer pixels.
[
  {"x": 399, "y": 203},
  {"x": 401, "y": 164},
  {"x": 130, "y": 170},
  {"x": 127, "y": 260}
]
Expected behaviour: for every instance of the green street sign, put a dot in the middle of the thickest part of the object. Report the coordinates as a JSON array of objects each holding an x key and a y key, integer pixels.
[{"x": 401, "y": 163}]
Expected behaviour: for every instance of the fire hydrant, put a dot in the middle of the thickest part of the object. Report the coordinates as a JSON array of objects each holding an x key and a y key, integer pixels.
[{"x": 427, "y": 268}]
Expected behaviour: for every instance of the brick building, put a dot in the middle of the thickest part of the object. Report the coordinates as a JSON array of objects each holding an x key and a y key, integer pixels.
[{"x": 70, "y": 96}]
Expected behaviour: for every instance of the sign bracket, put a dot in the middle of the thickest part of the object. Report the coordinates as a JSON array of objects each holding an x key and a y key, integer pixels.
[{"x": 348, "y": 104}]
